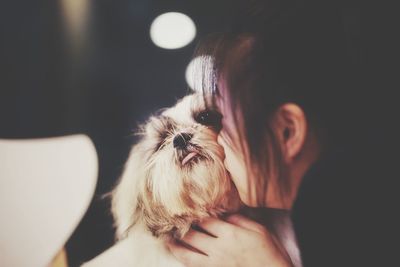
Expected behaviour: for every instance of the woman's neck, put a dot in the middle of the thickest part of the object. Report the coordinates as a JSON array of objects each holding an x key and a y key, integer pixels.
[{"x": 301, "y": 164}]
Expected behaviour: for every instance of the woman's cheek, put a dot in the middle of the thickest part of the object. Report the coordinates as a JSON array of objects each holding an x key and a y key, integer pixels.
[
  {"x": 236, "y": 167},
  {"x": 238, "y": 173}
]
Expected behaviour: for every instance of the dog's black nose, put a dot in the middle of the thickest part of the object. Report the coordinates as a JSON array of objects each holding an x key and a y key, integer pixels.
[{"x": 181, "y": 140}]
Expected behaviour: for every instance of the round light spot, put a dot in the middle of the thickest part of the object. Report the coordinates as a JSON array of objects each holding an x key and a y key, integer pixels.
[
  {"x": 172, "y": 30},
  {"x": 199, "y": 73}
]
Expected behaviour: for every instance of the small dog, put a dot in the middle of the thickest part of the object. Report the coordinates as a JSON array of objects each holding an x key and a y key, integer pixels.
[
  {"x": 175, "y": 175},
  {"x": 174, "y": 178}
]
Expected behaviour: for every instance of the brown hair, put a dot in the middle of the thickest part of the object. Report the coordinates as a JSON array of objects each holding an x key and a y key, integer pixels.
[{"x": 277, "y": 52}]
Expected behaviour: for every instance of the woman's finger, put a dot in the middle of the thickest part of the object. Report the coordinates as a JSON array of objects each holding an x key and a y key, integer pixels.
[
  {"x": 198, "y": 240},
  {"x": 185, "y": 255},
  {"x": 246, "y": 223},
  {"x": 215, "y": 226}
]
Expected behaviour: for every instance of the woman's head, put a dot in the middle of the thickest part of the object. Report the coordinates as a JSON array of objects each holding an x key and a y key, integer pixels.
[{"x": 271, "y": 77}]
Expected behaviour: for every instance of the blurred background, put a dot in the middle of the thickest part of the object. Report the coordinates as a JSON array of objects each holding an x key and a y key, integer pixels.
[
  {"x": 101, "y": 67},
  {"x": 81, "y": 66}
]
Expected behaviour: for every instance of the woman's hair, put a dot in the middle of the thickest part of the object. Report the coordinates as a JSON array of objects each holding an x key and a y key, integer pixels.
[{"x": 278, "y": 52}]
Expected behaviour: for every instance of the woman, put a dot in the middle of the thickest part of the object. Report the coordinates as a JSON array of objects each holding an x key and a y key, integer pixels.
[{"x": 284, "y": 83}]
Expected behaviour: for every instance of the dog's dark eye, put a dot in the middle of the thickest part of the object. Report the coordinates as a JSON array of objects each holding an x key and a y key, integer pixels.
[
  {"x": 163, "y": 126},
  {"x": 209, "y": 118},
  {"x": 161, "y": 141}
]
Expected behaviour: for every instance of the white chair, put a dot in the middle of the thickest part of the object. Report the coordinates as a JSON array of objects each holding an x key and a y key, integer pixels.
[{"x": 46, "y": 186}]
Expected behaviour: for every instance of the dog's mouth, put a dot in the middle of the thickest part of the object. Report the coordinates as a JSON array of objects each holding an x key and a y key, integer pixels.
[{"x": 189, "y": 155}]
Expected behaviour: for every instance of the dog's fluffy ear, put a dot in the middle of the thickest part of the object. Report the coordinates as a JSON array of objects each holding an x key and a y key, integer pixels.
[{"x": 125, "y": 195}]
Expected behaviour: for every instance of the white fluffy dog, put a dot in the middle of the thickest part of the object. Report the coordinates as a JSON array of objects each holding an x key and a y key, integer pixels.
[{"x": 173, "y": 179}]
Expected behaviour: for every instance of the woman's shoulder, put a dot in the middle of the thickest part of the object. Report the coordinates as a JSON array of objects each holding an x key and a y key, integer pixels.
[{"x": 340, "y": 214}]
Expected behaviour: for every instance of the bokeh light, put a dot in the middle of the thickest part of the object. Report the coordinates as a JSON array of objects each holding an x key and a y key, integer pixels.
[
  {"x": 199, "y": 72},
  {"x": 172, "y": 30}
]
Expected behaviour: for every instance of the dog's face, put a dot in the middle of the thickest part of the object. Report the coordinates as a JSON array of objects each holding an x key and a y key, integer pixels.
[{"x": 175, "y": 175}]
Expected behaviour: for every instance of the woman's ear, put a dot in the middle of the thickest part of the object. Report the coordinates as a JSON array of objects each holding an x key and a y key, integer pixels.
[{"x": 290, "y": 126}]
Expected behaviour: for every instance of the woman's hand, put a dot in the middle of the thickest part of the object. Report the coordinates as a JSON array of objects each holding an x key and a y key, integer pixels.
[{"x": 238, "y": 241}]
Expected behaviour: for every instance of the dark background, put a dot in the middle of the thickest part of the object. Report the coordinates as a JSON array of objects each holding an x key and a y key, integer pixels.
[
  {"x": 102, "y": 86},
  {"x": 114, "y": 77}
]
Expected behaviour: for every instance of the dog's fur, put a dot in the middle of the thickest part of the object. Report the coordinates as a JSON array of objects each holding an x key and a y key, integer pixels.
[{"x": 169, "y": 186}]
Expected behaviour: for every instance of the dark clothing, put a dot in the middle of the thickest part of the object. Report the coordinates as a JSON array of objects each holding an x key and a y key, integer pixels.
[
  {"x": 346, "y": 209},
  {"x": 344, "y": 213}
]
